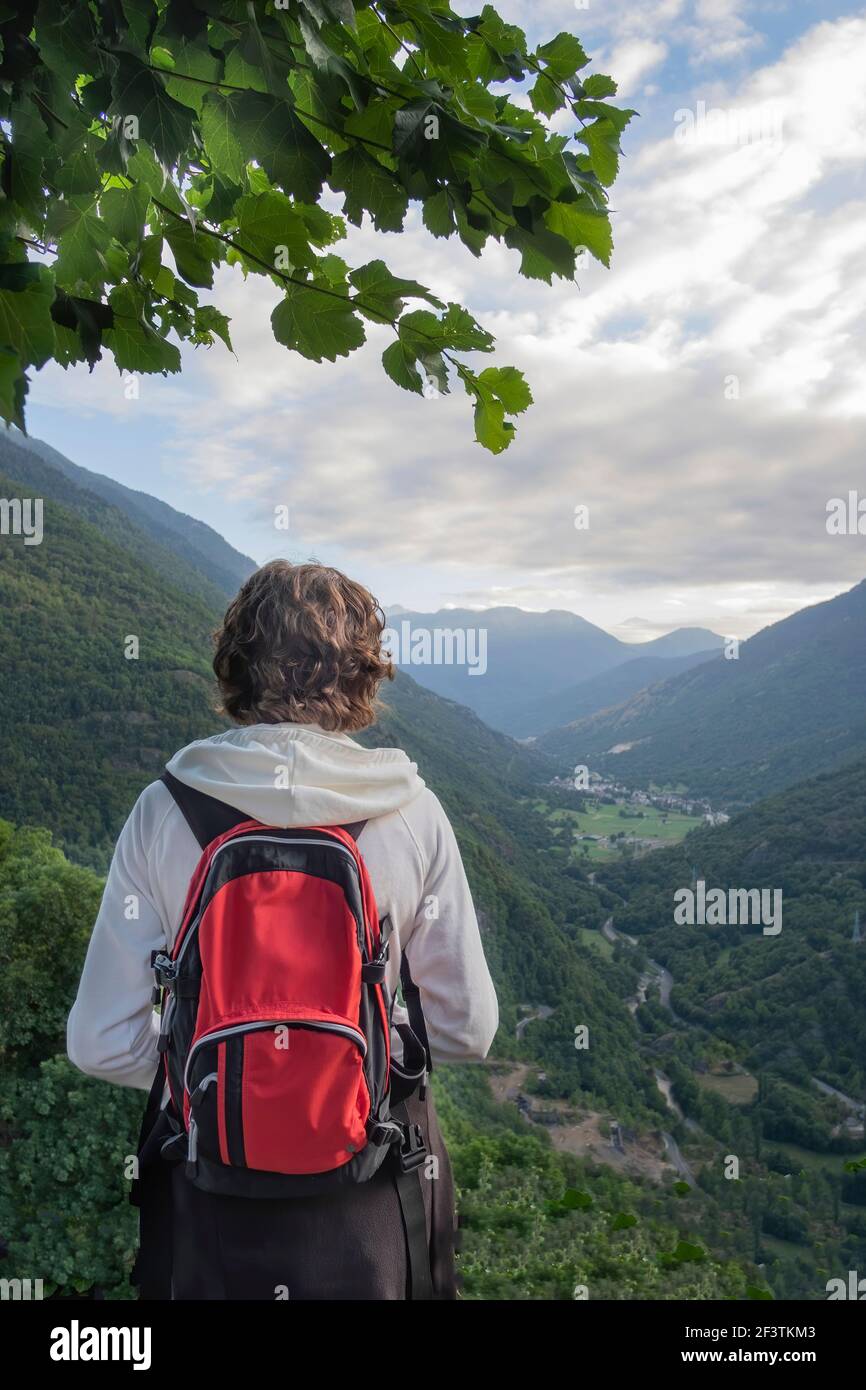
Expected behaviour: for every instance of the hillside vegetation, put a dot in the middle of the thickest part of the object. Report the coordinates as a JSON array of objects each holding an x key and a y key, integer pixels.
[{"x": 792, "y": 705}]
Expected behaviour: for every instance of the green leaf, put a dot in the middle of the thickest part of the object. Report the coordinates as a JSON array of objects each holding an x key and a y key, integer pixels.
[
  {"x": 383, "y": 293},
  {"x": 431, "y": 146},
  {"x": 509, "y": 386},
  {"x": 619, "y": 118},
  {"x": 163, "y": 122},
  {"x": 752, "y": 1291},
  {"x": 441, "y": 40},
  {"x": 492, "y": 430},
  {"x": 220, "y": 136},
  {"x": 323, "y": 228},
  {"x": 399, "y": 363},
  {"x": 623, "y": 1221},
  {"x": 143, "y": 168},
  {"x": 194, "y": 253},
  {"x": 270, "y": 132},
  {"x": 543, "y": 253},
  {"x": 317, "y": 325},
  {"x": 563, "y": 56},
  {"x": 191, "y": 60},
  {"x": 602, "y": 140},
  {"x": 461, "y": 331},
  {"x": 149, "y": 257},
  {"x": 26, "y": 326},
  {"x": 582, "y": 227},
  {"x": 267, "y": 221},
  {"x": 136, "y": 345},
  {"x": 597, "y": 85},
  {"x": 209, "y": 320},
  {"x": 79, "y": 171},
  {"x": 86, "y": 320},
  {"x": 369, "y": 187},
  {"x": 23, "y": 160},
  {"x": 13, "y": 388},
  {"x": 123, "y": 211},
  {"x": 437, "y": 216},
  {"x": 375, "y": 123},
  {"x": 546, "y": 95}
]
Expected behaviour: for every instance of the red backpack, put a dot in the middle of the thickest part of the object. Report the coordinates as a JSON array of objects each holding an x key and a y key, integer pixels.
[{"x": 275, "y": 1025}]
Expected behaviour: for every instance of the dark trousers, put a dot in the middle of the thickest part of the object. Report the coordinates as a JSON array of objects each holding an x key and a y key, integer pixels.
[{"x": 347, "y": 1245}]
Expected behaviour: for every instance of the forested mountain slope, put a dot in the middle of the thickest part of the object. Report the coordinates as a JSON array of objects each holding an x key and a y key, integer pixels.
[
  {"x": 601, "y": 692},
  {"x": 791, "y": 1004},
  {"x": 791, "y": 705},
  {"x": 193, "y": 542}
]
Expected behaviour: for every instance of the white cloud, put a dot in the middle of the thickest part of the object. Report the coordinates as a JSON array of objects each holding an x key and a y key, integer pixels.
[{"x": 631, "y": 60}]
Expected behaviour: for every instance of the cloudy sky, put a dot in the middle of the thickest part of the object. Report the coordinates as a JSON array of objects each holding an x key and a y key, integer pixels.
[{"x": 704, "y": 398}]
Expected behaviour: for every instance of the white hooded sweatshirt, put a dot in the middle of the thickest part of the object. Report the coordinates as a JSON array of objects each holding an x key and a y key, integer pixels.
[{"x": 287, "y": 775}]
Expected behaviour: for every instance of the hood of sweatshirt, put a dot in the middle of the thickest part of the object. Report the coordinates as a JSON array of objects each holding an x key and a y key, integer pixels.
[{"x": 297, "y": 774}]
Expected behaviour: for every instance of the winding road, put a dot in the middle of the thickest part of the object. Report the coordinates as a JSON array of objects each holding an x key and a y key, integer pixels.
[{"x": 542, "y": 1011}]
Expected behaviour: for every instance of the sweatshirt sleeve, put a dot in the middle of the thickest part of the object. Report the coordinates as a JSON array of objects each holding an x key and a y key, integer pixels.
[
  {"x": 446, "y": 956},
  {"x": 112, "y": 1029}
]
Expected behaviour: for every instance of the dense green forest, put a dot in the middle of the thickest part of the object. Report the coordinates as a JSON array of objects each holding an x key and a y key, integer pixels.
[
  {"x": 791, "y": 1003},
  {"x": 92, "y": 724},
  {"x": 791, "y": 705},
  {"x": 759, "y": 1027}
]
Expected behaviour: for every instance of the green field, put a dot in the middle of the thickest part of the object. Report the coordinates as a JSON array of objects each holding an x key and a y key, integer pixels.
[
  {"x": 737, "y": 1089},
  {"x": 808, "y": 1159},
  {"x": 662, "y": 827},
  {"x": 595, "y": 941}
]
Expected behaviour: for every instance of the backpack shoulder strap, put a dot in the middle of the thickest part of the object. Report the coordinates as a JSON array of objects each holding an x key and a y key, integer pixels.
[
  {"x": 206, "y": 817},
  {"x": 412, "y": 996}
]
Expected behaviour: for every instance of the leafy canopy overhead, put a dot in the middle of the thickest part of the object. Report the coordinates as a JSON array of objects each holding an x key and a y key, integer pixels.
[{"x": 144, "y": 143}]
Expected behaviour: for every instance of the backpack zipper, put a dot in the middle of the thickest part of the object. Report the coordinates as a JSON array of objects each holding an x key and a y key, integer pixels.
[
  {"x": 344, "y": 1029},
  {"x": 192, "y": 1146}
]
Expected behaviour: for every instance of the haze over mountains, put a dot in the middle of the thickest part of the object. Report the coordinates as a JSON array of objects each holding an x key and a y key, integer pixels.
[
  {"x": 542, "y": 669},
  {"x": 536, "y": 664}
]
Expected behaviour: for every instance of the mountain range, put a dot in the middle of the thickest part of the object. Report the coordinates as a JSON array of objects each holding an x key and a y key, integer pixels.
[
  {"x": 535, "y": 666},
  {"x": 789, "y": 703}
]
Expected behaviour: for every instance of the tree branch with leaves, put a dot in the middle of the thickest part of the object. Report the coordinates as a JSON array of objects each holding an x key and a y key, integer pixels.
[{"x": 143, "y": 143}]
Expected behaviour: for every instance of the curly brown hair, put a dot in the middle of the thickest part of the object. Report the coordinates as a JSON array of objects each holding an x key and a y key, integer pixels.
[{"x": 302, "y": 644}]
